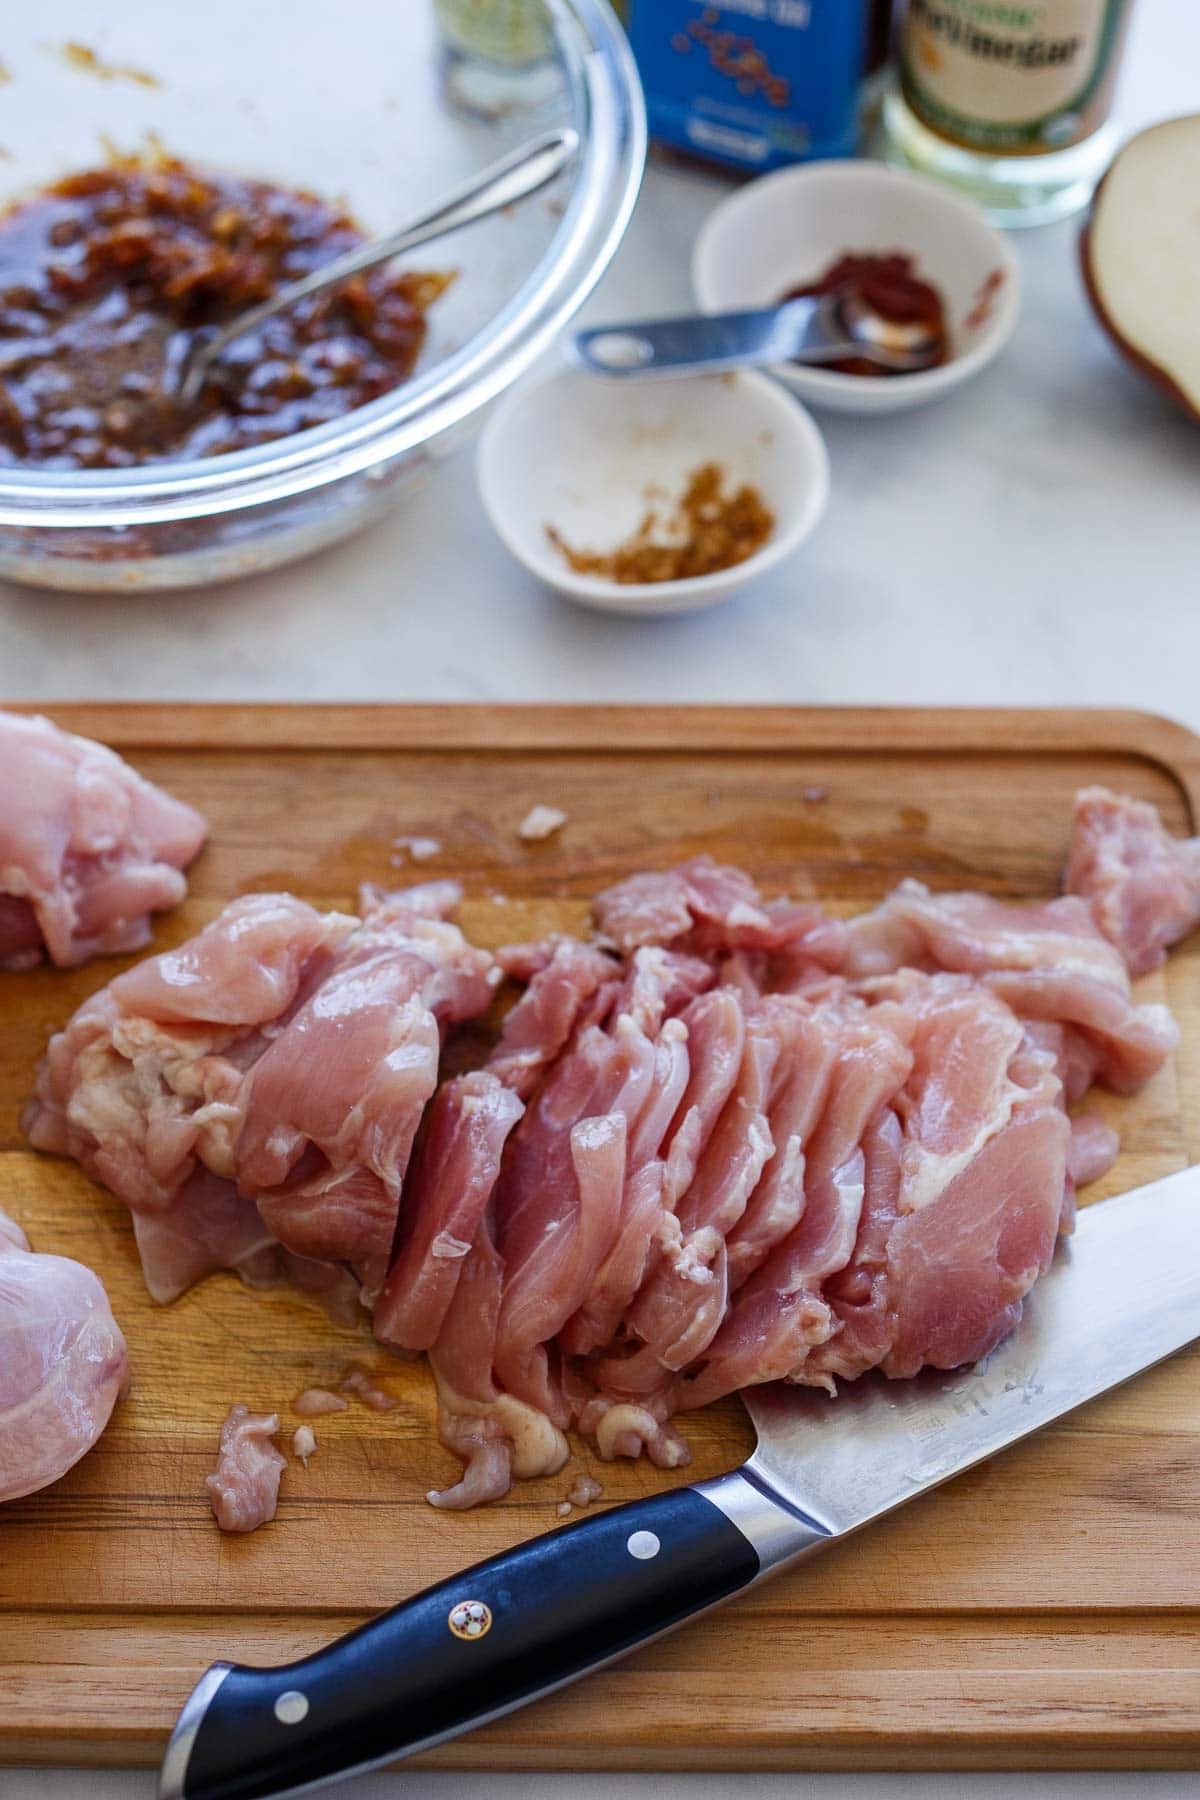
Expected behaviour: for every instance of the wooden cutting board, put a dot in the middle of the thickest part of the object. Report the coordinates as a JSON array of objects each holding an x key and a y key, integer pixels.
[{"x": 1040, "y": 1611}]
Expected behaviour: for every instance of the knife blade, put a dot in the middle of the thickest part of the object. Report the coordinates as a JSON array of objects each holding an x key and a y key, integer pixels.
[{"x": 1123, "y": 1295}]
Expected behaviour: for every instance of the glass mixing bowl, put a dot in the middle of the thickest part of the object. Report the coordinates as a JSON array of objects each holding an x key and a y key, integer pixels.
[{"x": 347, "y": 101}]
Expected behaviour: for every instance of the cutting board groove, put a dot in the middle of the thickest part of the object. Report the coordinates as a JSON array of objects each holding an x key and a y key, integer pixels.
[{"x": 1040, "y": 1611}]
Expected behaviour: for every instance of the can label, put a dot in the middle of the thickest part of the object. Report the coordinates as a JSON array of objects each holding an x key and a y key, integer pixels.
[
  {"x": 1009, "y": 77},
  {"x": 757, "y": 83}
]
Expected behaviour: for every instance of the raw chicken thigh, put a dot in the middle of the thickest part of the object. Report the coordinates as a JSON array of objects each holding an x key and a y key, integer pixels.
[
  {"x": 730, "y": 1141},
  {"x": 758, "y": 1144},
  {"x": 88, "y": 849},
  {"x": 1144, "y": 886},
  {"x": 243, "y": 1489},
  {"x": 63, "y": 1364},
  {"x": 253, "y": 1096}
]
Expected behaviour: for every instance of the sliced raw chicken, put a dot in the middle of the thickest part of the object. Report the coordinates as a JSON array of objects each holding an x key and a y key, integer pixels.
[
  {"x": 959, "y": 1269},
  {"x": 799, "y": 1092},
  {"x": 868, "y": 1164},
  {"x": 244, "y": 1487},
  {"x": 569, "y": 983},
  {"x": 1048, "y": 961},
  {"x": 579, "y": 1205},
  {"x": 959, "y": 1092},
  {"x": 661, "y": 908},
  {"x": 680, "y": 1307},
  {"x": 558, "y": 1200},
  {"x": 145, "y": 1085},
  {"x": 254, "y": 1095},
  {"x": 710, "y": 908},
  {"x": 779, "y": 1314},
  {"x": 204, "y": 1227},
  {"x": 735, "y": 1142},
  {"x": 208, "y": 1226},
  {"x": 497, "y": 1436},
  {"x": 659, "y": 982},
  {"x": 445, "y": 1196},
  {"x": 63, "y": 1364},
  {"x": 716, "y": 1028},
  {"x": 647, "y": 1197},
  {"x": 583, "y": 1191},
  {"x": 1143, "y": 885},
  {"x": 982, "y": 1178},
  {"x": 858, "y": 1294},
  {"x": 919, "y": 1244},
  {"x": 88, "y": 849},
  {"x": 314, "y": 1403},
  {"x": 333, "y": 1102},
  {"x": 1093, "y": 1149}
]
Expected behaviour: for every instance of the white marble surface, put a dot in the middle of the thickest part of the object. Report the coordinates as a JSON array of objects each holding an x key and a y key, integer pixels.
[
  {"x": 426, "y": 1785},
  {"x": 1033, "y": 539}
]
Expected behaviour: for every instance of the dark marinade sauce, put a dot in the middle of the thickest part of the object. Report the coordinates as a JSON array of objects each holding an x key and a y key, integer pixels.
[
  {"x": 105, "y": 277},
  {"x": 890, "y": 286}
]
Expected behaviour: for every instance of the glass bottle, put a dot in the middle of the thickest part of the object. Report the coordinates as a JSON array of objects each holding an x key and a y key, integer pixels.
[
  {"x": 1008, "y": 100},
  {"x": 497, "y": 55}
]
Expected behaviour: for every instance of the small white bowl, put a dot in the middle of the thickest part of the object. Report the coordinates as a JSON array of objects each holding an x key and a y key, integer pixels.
[
  {"x": 785, "y": 230},
  {"x": 591, "y": 457}
]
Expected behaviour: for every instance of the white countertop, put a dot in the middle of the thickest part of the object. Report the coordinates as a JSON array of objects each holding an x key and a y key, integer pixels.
[
  {"x": 1032, "y": 539},
  {"x": 83, "y": 1784}
]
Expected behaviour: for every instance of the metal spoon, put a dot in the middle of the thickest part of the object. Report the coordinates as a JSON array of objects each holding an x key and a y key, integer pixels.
[
  {"x": 514, "y": 177},
  {"x": 816, "y": 329}
]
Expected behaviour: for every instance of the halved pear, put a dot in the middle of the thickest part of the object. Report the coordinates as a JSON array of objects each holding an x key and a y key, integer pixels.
[{"x": 1141, "y": 256}]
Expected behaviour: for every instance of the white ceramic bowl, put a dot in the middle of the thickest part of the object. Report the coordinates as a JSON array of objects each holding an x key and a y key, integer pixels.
[
  {"x": 590, "y": 456},
  {"x": 786, "y": 229}
]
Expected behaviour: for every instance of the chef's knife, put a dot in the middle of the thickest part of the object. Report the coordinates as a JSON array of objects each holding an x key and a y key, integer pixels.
[{"x": 1123, "y": 1294}]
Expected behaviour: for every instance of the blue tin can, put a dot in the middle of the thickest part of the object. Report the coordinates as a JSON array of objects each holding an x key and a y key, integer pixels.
[{"x": 754, "y": 83}]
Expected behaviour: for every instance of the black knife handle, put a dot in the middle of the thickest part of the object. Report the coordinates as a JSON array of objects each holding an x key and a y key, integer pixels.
[{"x": 475, "y": 1646}]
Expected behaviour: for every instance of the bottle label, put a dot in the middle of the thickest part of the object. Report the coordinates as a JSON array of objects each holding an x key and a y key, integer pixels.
[
  {"x": 1009, "y": 77},
  {"x": 756, "y": 83},
  {"x": 502, "y": 31}
]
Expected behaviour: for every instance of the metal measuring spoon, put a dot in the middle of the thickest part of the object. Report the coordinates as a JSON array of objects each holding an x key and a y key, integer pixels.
[
  {"x": 816, "y": 329},
  {"x": 514, "y": 177}
]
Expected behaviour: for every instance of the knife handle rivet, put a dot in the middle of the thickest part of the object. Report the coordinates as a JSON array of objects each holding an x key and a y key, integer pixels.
[
  {"x": 470, "y": 1619},
  {"x": 643, "y": 1545},
  {"x": 292, "y": 1707}
]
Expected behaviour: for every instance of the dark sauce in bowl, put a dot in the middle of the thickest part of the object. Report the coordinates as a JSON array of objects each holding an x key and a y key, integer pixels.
[
  {"x": 889, "y": 285},
  {"x": 106, "y": 277}
]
